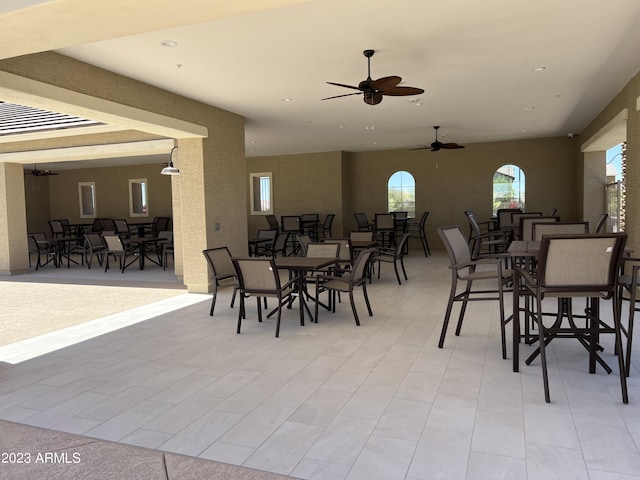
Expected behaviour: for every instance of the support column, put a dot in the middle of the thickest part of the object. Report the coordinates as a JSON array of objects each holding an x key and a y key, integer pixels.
[
  {"x": 14, "y": 254},
  {"x": 595, "y": 180}
]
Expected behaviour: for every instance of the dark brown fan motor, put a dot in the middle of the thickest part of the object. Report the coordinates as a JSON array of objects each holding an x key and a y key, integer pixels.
[
  {"x": 374, "y": 90},
  {"x": 437, "y": 145},
  {"x": 40, "y": 173}
]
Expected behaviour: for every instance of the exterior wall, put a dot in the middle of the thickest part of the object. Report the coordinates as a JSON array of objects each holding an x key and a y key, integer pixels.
[
  {"x": 14, "y": 257},
  {"x": 221, "y": 165},
  {"x": 309, "y": 183},
  {"x": 447, "y": 182},
  {"x": 627, "y": 98}
]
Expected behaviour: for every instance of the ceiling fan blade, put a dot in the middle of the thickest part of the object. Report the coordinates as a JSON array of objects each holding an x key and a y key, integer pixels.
[
  {"x": 423, "y": 147},
  {"x": 402, "y": 91},
  {"x": 386, "y": 83},
  {"x": 451, "y": 146},
  {"x": 343, "y": 85},
  {"x": 373, "y": 98},
  {"x": 345, "y": 95}
]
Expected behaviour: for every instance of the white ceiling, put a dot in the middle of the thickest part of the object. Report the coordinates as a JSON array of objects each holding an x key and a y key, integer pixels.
[{"x": 474, "y": 59}]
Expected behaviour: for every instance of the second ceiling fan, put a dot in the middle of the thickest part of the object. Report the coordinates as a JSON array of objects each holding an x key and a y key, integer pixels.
[
  {"x": 374, "y": 90},
  {"x": 438, "y": 145}
]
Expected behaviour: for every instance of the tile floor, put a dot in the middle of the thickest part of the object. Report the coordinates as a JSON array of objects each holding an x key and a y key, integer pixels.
[{"x": 335, "y": 401}]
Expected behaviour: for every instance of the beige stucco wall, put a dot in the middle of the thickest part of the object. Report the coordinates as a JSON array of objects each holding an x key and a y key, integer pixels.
[
  {"x": 220, "y": 165},
  {"x": 447, "y": 182},
  {"x": 311, "y": 183}
]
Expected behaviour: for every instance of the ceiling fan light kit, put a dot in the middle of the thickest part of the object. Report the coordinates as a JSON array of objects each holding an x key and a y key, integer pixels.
[{"x": 373, "y": 91}]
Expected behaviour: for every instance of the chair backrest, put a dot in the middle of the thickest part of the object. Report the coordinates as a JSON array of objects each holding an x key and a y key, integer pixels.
[
  {"x": 280, "y": 243},
  {"x": 121, "y": 225},
  {"x": 219, "y": 261},
  {"x": 160, "y": 224},
  {"x": 57, "y": 230},
  {"x": 559, "y": 228},
  {"x": 361, "y": 220},
  {"x": 504, "y": 216},
  {"x": 108, "y": 224},
  {"x": 66, "y": 226},
  {"x": 400, "y": 248},
  {"x": 257, "y": 275},
  {"x": 516, "y": 216},
  {"x": 400, "y": 215},
  {"x": 473, "y": 223},
  {"x": 456, "y": 244},
  {"x": 423, "y": 219},
  {"x": 345, "y": 252},
  {"x": 267, "y": 234},
  {"x": 304, "y": 241},
  {"x": 33, "y": 244},
  {"x": 310, "y": 217},
  {"x": 290, "y": 223},
  {"x": 526, "y": 225},
  {"x": 601, "y": 223},
  {"x": 93, "y": 240},
  {"x": 328, "y": 220},
  {"x": 359, "y": 271},
  {"x": 323, "y": 250},
  {"x": 39, "y": 236},
  {"x": 113, "y": 243},
  {"x": 361, "y": 236},
  {"x": 385, "y": 221},
  {"x": 273, "y": 222},
  {"x": 97, "y": 225},
  {"x": 562, "y": 266}
]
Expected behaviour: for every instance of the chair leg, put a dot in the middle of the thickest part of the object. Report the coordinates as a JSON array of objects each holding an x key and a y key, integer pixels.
[
  {"x": 279, "y": 316},
  {"x": 213, "y": 299},
  {"x": 624, "y": 370},
  {"x": 632, "y": 310},
  {"x": 447, "y": 314},
  {"x": 353, "y": 307},
  {"x": 240, "y": 312},
  {"x": 543, "y": 353},
  {"x": 463, "y": 309},
  {"x": 366, "y": 298},
  {"x": 395, "y": 268},
  {"x": 403, "y": 269}
]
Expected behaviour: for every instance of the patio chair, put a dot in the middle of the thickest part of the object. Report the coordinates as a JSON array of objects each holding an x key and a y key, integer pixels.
[
  {"x": 395, "y": 256},
  {"x": 362, "y": 221},
  {"x": 578, "y": 266},
  {"x": 222, "y": 270},
  {"x": 324, "y": 230},
  {"x": 115, "y": 248},
  {"x": 38, "y": 246},
  {"x": 417, "y": 230},
  {"x": 261, "y": 278},
  {"x": 347, "y": 283},
  {"x": 93, "y": 245},
  {"x": 485, "y": 243},
  {"x": 467, "y": 270},
  {"x": 385, "y": 229},
  {"x": 601, "y": 223}
]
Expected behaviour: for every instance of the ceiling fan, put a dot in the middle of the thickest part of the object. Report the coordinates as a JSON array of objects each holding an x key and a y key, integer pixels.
[
  {"x": 40, "y": 173},
  {"x": 437, "y": 145},
  {"x": 374, "y": 90}
]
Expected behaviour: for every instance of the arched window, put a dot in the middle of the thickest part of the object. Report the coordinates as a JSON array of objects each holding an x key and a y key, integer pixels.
[
  {"x": 401, "y": 193},
  {"x": 508, "y": 188}
]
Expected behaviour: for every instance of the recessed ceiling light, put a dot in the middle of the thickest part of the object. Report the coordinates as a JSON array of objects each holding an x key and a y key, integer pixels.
[
  {"x": 539, "y": 69},
  {"x": 169, "y": 43},
  {"x": 529, "y": 108},
  {"x": 286, "y": 99},
  {"x": 342, "y": 126}
]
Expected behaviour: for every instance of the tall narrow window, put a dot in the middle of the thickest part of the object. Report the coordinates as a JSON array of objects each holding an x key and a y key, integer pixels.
[
  {"x": 87, "y": 196},
  {"x": 508, "y": 188},
  {"x": 261, "y": 193},
  {"x": 401, "y": 193},
  {"x": 138, "y": 198}
]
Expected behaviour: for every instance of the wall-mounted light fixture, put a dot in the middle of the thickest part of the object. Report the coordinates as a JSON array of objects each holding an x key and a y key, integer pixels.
[{"x": 170, "y": 169}]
